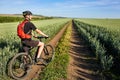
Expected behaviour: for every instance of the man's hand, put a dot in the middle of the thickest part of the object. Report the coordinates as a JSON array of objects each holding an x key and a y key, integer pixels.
[{"x": 35, "y": 36}]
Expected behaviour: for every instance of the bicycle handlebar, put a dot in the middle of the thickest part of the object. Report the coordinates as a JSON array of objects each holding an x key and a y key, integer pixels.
[{"x": 41, "y": 37}]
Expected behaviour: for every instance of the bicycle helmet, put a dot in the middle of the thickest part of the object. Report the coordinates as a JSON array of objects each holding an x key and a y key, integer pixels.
[{"x": 27, "y": 13}]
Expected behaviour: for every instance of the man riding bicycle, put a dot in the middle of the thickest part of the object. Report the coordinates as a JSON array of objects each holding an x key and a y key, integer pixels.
[{"x": 27, "y": 28}]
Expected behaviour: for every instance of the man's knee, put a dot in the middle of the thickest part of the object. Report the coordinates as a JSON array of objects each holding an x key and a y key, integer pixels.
[{"x": 40, "y": 44}]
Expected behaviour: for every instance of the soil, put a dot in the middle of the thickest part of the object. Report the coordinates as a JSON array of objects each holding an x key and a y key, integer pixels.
[{"x": 82, "y": 64}]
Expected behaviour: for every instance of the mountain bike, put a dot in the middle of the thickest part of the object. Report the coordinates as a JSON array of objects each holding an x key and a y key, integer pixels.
[{"x": 21, "y": 62}]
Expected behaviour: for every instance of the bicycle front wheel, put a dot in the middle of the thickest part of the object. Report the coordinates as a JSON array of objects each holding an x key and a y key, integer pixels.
[
  {"x": 49, "y": 52},
  {"x": 18, "y": 66}
]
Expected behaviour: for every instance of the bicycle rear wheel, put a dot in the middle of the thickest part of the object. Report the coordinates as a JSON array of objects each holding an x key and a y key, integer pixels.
[
  {"x": 18, "y": 66},
  {"x": 49, "y": 52}
]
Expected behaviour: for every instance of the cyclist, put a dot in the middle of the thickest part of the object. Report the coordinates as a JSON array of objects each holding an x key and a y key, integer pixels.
[{"x": 27, "y": 42}]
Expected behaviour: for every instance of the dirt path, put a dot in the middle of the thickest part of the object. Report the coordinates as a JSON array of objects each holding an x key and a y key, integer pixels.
[
  {"x": 82, "y": 65},
  {"x": 36, "y": 69}
]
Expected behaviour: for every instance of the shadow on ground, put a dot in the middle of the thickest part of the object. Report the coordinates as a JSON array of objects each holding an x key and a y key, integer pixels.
[{"x": 83, "y": 63}]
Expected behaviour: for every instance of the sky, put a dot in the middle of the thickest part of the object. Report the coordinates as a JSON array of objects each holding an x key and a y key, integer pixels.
[{"x": 64, "y": 8}]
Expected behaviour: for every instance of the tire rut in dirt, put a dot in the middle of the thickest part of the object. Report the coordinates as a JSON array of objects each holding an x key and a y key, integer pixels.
[{"x": 82, "y": 64}]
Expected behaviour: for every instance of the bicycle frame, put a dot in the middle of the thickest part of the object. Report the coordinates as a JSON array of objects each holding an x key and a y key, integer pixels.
[
  {"x": 36, "y": 53},
  {"x": 19, "y": 61}
]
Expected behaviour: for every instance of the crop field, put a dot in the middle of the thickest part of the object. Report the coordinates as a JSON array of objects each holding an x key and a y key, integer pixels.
[
  {"x": 10, "y": 43},
  {"x": 102, "y": 36},
  {"x": 111, "y": 24},
  {"x": 104, "y": 41}
]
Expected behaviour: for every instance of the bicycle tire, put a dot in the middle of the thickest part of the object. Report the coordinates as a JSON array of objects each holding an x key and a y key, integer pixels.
[
  {"x": 18, "y": 66},
  {"x": 49, "y": 52}
]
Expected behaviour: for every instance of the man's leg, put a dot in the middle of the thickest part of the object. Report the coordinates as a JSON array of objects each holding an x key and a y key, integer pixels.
[
  {"x": 40, "y": 49},
  {"x": 34, "y": 43}
]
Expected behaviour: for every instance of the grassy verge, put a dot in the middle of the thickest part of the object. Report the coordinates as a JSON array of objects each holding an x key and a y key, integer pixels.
[{"x": 57, "y": 69}]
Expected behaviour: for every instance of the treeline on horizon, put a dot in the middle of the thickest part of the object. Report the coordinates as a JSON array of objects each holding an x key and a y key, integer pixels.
[{"x": 4, "y": 19}]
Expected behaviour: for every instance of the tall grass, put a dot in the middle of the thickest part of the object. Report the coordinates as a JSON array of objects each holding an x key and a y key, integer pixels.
[
  {"x": 110, "y": 24},
  {"x": 10, "y": 43},
  {"x": 104, "y": 44}
]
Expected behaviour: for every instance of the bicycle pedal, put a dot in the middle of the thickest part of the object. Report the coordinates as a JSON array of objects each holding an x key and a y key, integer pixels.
[
  {"x": 42, "y": 61},
  {"x": 28, "y": 66}
]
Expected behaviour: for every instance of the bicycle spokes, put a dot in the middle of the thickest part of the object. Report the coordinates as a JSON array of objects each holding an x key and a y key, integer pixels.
[
  {"x": 49, "y": 52},
  {"x": 20, "y": 65},
  {"x": 18, "y": 68}
]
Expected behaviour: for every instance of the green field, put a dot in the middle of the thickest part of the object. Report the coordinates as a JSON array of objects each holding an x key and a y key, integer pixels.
[
  {"x": 111, "y": 24},
  {"x": 103, "y": 36},
  {"x": 41, "y": 24},
  {"x": 10, "y": 43}
]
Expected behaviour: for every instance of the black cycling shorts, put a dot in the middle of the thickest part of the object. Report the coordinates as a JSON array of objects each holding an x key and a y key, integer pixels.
[{"x": 29, "y": 43}]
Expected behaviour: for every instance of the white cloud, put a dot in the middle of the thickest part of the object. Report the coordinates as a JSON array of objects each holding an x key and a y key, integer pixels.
[
  {"x": 84, "y": 8},
  {"x": 84, "y": 4}
]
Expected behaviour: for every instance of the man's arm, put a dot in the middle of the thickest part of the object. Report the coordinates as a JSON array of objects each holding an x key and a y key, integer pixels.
[{"x": 40, "y": 32}]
